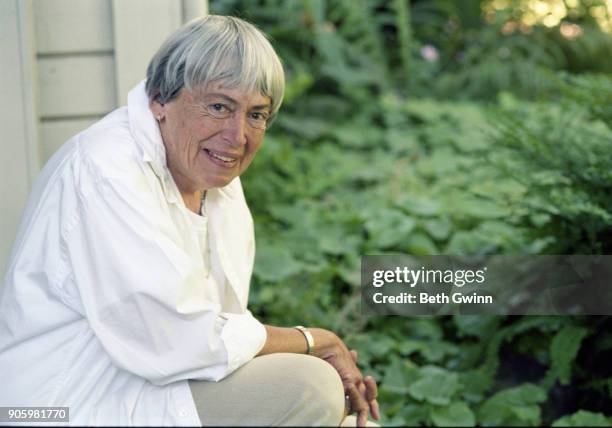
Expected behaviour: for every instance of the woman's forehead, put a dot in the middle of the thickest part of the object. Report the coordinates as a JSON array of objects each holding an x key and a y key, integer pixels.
[{"x": 235, "y": 94}]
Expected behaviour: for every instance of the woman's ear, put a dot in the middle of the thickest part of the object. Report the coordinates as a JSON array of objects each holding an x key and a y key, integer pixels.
[{"x": 158, "y": 109}]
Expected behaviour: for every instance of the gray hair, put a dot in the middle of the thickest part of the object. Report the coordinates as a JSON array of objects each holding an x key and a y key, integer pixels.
[{"x": 215, "y": 48}]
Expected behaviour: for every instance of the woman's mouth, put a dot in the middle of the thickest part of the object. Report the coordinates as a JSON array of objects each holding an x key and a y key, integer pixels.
[{"x": 222, "y": 159}]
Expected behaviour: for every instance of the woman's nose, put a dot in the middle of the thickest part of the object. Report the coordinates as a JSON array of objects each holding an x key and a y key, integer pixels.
[{"x": 235, "y": 129}]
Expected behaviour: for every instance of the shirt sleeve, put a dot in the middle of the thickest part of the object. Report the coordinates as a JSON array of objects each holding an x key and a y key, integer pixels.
[
  {"x": 131, "y": 272},
  {"x": 243, "y": 339}
]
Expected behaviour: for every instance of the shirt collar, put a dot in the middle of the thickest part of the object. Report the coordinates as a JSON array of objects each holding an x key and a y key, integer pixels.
[{"x": 145, "y": 130}]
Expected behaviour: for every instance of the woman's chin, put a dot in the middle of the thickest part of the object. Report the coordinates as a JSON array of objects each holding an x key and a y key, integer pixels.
[{"x": 218, "y": 181}]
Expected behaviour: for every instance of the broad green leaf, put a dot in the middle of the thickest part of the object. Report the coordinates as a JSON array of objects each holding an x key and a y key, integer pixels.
[
  {"x": 381, "y": 346},
  {"x": 309, "y": 128},
  {"x": 475, "y": 384},
  {"x": 297, "y": 86},
  {"x": 583, "y": 418},
  {"x": 399, "y": 374},
  {"x": 274, "y": 263},
  {"x": 476, "y": 325},
  {"x": 401, "y": 141},
  {"x": 438, "y": 228},
  {"x": 388, "y": 228},
  {"x": 350, "y": 269},
  {"x": 457, "y": 414},
  {"x": 420, "y": 205},
  {"x": 435, "y": 385},
  {"x": 412, "y": 415},
  {"x": 335, "y": 242},
  {"x": 434, "y": 352},
  {"x": 516, "y": 406},
  {"x": 527, "y": 413},
  {"x": 407, "y": 347},
  {"x": 419, "y": 244},
  {"x": 354, "y": 135},
  {"x": 442, "y": 161},
  {"x": 462, "y": 205},
  {"x": 466, "y": 242},
  {"x": 563, "y": 350},
  {"x": 426, "y": 328}
]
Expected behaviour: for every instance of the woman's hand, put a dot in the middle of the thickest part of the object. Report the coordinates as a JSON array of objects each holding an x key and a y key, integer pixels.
[{"x": 361, "y": 392}]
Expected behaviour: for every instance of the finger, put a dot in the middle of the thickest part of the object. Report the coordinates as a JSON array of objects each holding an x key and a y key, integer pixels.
[
  {"x": 371, "y": 394},
  {"x": 356, "y": 398},
  {"x": 362, "y": 418},
  {"x": 354, "y": 355},
  {"x": 363, "y": 391},
  {"x": 358, "y": 404},
  {"x": 372, "y": 389},
  {"x": 374, "y": 409}
]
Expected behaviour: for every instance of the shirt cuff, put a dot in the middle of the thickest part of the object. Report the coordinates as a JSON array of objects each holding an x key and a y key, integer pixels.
[{"x": 243, "y": 337}]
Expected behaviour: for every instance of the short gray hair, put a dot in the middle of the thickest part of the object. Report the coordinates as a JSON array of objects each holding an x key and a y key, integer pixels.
[{"x": 216, "y": 48}]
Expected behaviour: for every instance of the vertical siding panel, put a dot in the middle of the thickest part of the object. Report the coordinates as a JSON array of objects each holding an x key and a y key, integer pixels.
[
  {"x": 194, "y": 8},
  {"x": 139, "y": 28},
  {"x": 57, "y": 132},
  {"x": 76, "y": 85},
  {"x": 73, "y": 26},
  {"x": 76, "y": 71},
  {"x": 18, "y": 141}
]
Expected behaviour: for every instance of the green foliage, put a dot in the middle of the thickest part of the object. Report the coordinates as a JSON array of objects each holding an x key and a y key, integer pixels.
[
  {"x": 583, "y": 418},
  {"x": 363, "y": 159},
  {"x": 567, "y": 197},
  {"x": 516, "y": 406},
  {"x": 426, "y": 387},
  {"x": 563, "y": 350},
  {"x": 456, "y": 414}
]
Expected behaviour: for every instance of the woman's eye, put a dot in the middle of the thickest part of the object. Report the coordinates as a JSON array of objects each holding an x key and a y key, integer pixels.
[
  {"x": 259, "y": 116},
  {"x": 218, "y": 107}
]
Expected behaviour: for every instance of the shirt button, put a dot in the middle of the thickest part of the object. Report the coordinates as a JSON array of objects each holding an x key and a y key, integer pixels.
[{"x": 183, "y": 413}]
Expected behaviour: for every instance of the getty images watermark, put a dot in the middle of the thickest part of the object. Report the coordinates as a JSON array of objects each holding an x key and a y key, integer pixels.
[{"x": 503, "y": 285}]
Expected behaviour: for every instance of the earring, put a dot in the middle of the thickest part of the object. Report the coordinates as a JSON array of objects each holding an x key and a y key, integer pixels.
[{"x": 159, "y": 117}]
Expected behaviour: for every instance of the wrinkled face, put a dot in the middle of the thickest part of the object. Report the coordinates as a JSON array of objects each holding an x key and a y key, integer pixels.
[{"x": 211, "y": 136}]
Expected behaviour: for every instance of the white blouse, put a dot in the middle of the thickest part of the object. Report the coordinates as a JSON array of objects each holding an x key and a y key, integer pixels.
[{"x": 116, "y": 294}]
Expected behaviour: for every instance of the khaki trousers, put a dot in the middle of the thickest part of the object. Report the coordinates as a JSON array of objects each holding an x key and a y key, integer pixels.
[{"x": 273, "y": 390}]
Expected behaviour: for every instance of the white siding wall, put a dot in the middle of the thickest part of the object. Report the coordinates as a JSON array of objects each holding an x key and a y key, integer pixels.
[
  {"x": 65, "y": 64},
  {"x": 18, "y": 141},
  {"x": 75, "y": 67}
]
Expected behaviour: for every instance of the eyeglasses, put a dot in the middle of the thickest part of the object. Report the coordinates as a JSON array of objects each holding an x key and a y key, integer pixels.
[{"x": 256, "y": 119}]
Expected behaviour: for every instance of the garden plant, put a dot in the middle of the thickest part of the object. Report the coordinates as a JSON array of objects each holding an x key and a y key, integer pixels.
[{"x": 439, "y": 127}]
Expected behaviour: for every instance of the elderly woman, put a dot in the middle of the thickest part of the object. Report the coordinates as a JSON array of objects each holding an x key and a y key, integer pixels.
[{"x": 126, "y": 294}]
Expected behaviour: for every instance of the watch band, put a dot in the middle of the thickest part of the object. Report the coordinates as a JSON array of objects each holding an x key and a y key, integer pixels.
[{"x": 308, "y": 336}]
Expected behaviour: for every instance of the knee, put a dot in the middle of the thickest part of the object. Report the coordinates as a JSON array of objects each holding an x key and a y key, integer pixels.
[{"x": 323, "y": 390}]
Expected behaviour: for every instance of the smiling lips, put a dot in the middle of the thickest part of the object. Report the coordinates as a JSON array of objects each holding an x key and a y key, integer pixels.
[{"x": 223, "y": 159}]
